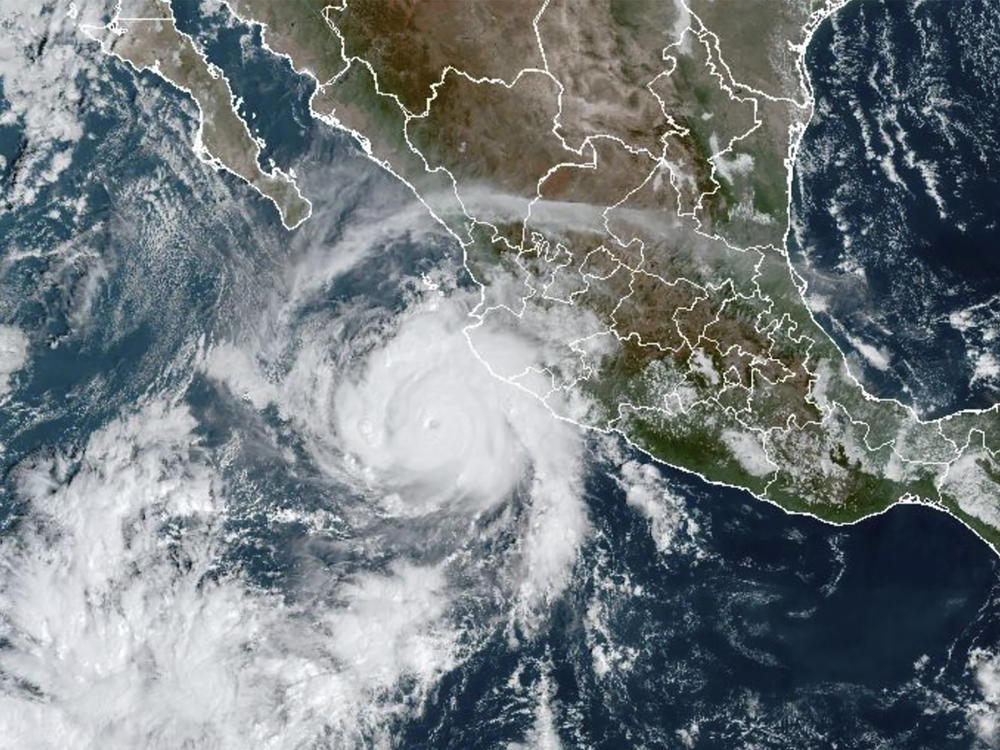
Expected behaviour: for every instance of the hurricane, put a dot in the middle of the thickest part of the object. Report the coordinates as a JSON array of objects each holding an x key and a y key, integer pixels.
[
  {"x": 428, "y": 422},
  {"x": 133, "y": 532}
]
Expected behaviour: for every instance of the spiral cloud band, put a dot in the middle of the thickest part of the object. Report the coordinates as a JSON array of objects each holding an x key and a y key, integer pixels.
[{"x": 427, "y": 421}]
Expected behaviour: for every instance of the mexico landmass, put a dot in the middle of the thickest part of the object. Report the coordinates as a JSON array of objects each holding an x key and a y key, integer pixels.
[{"x": 624, "y": 165}]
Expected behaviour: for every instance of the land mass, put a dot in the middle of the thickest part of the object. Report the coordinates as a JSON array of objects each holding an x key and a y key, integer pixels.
[
  {"x": 624, "y": 165},
  {"x": 145, "y": 35}
]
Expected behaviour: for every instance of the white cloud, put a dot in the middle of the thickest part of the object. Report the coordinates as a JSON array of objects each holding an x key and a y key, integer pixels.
[
  {"x": 543, "y": 734},
  {"x": 13, "y": 354},
  {"x": 427, "y": 421},
  {"x": 984, "y": 715},
  {"x": 407, "y": 415},
  {"x": 672, "y": 526},
  {"x": 120, "y": 637},
  {"x": 748, "y": 449},
  {"x": 43, "y": 64},
  {"x": 875, "y": 356}
]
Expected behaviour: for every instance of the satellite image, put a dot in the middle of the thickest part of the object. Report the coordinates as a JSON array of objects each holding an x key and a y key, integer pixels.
[{"x": 499, "y": 374}]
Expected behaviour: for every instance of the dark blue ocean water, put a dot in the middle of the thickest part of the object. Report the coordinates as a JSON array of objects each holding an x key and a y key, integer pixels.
[
  {"x": 780, "y": 632},
  {"x": 896, "y": 198}
]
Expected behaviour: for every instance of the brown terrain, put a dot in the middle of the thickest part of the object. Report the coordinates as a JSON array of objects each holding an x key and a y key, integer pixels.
[
  {"x": 145, "y": 36},
  {"x": 611, "y": 154}
]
